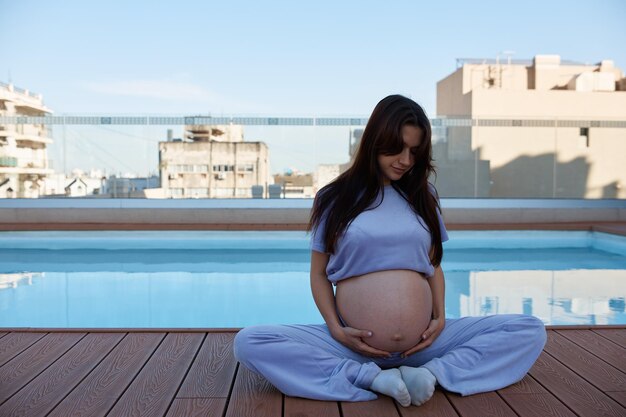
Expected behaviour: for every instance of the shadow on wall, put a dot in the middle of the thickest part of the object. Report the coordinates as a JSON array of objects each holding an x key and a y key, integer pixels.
[
  {"x": 538, "y": 177},
  {"x": 523, "y": 177},
  {"x": 610, "y": 190}
]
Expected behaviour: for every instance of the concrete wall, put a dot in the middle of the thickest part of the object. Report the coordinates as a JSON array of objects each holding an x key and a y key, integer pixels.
[{"x": 283, "y": 214}]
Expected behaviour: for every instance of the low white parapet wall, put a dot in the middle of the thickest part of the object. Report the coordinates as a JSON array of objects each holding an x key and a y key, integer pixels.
[{"x": 289, "y": 211}]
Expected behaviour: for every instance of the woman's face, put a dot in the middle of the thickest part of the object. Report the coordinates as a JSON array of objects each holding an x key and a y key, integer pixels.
[{"x": 395, "y": 166}]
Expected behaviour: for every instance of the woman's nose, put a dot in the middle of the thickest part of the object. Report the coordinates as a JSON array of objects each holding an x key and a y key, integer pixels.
[{"x": 405, "y": 157}]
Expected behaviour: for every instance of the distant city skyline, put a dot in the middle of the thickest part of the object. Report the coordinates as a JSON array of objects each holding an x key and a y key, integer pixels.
[{"x": 271, "y": 58}]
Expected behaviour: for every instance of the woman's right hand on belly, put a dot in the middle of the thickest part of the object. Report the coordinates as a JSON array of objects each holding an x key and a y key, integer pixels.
[{"x": 355, "y": 340}]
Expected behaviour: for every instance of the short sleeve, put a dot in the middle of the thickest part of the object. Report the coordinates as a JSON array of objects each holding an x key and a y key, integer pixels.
[
  {"x": 442, "y": 226},
  {"x": 317, "y": 236}
]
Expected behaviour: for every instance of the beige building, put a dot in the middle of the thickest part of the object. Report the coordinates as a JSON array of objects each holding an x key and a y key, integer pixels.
[
  {"x": 543, "y": 128},
  {"x": 295, "y": 185},
  {"x": 213, "y": 162},
  {"x": 23, "y": 146}
]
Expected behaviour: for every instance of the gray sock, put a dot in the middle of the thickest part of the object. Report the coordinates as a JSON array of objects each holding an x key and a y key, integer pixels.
[
  {"x": 420, "y": 383},
  {"x": 389, "y": 382}
]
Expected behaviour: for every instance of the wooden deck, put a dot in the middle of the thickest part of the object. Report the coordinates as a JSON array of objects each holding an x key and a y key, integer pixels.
[{"x": 194, "y": 373}]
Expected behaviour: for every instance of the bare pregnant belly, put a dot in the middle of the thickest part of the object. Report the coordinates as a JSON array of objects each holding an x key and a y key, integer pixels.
[{"x": 395, "y": 305}]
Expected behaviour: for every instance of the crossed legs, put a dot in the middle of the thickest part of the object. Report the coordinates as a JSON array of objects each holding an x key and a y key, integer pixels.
[{"x": 471, "y": 355}]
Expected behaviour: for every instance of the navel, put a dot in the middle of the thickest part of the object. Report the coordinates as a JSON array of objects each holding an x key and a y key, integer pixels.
[{"x": 397, "y": 337}]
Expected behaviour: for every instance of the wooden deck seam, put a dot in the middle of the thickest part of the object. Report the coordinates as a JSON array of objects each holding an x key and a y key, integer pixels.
[
  {"x": 230, "y": 390},
  {"x": 592, "y": 383},
  {"x": 44, "y": 369},
  {"x": 25, "y": 348},
  {"x": 182, "y": 381},
  {"x": 552, "y": 393},
  {"x": 454, "y": 407},
  {"x": 507, "y": 403},
  {"x": 607, "y": 338},
  {"x": 564, "y": 334},
  {"x": 602, "y": 394},
  {"x": 282, "y": 404},
  {"x": 87, "y": 374},
  {"x": 395, "y": 403},
  {"x": 77, "y": 384},
  {"x": 135, "y": 377}
]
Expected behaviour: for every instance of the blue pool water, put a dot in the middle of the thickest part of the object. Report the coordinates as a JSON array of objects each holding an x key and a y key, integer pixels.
[{"x": 234, "y": 279}]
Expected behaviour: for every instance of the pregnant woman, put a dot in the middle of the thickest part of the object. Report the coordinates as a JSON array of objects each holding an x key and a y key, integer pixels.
[{"x": 377, "y": 236}]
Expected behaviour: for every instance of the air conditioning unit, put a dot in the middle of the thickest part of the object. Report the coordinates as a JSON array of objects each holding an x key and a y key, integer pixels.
[{"x": 220, "y": 176}]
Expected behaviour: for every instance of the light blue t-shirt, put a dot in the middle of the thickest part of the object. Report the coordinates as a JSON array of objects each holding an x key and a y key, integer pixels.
[{"x": 390, "y": 236}]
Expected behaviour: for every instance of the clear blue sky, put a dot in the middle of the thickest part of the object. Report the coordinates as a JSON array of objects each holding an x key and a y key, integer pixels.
[
  {"x": 273, "y": 58},
  {"x": 279, "y": 57}
]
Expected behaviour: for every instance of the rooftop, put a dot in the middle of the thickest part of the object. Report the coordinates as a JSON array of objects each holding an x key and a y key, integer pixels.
[{"x": 504, "y": 60}]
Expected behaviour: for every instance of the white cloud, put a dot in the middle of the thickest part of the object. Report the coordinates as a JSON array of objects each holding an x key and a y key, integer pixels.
[{"x": 165, "y": 89}]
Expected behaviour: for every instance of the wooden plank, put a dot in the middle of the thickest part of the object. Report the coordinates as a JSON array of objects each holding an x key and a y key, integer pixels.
[
  {"x": 599, "y": 346},
  {"x": 197, "y": 407},
  {"x": 152, "y": 392},
  {"x": 528, "y": 398},
  {"x": 620, "y": 397},
  {"x": 590, "y": 367},
  {"x": 253, "y": 396},
  {"x": 615, "y": 335},
  {"x": 579, "y": 395},
  {"x": 14, "y": 343},
  {"x": 202, "y": 330},
  {"x": 49, "y": 387},
  {"x": 487, "y": 404},
  {"x": 213, "y": 370},
  {"x": 302, "y": 407},
  {"x": 537, "y": 405},
  {"x": 34, "y": 360},
  {"x": 97, "y": 393},
  {"x": 437, "y": 406},
  {"x": 528, "y": 385},
  {"x": 383, "y": 406}
]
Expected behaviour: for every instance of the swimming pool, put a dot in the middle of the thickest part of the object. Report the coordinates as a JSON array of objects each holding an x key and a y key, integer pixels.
[{"x": 232, "y": 279}]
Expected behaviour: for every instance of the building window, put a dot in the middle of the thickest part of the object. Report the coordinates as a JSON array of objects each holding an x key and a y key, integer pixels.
[
  {"x": 223, "y": 192},
  {"x": 197, "y": 192},
  {"x": 176, "y": 192},
  {"x": 584, "y": 136},
  {"x": 223, "y": 168},
  {"x": 245, "y": 167}
]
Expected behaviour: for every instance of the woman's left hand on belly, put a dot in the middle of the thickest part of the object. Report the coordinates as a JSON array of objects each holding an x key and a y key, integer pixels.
[{"x": 434, "y": 329}]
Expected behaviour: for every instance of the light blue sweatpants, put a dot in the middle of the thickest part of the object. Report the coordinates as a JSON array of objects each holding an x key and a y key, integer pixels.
[{"x": 471, "y": 355}]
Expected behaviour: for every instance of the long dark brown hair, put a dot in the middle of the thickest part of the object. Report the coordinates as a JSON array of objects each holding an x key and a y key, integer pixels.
[{"x": 355, "y": 190}]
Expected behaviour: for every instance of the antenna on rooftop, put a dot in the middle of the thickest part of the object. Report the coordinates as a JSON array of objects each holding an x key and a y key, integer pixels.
[{"x": 508, "y": 54}]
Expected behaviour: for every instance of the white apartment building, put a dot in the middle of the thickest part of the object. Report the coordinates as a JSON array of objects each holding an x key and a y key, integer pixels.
[
  {"x": 213, "y": 162},
  {"x": 23, "y": 146},
  {"x": 540, "y": 129}
]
